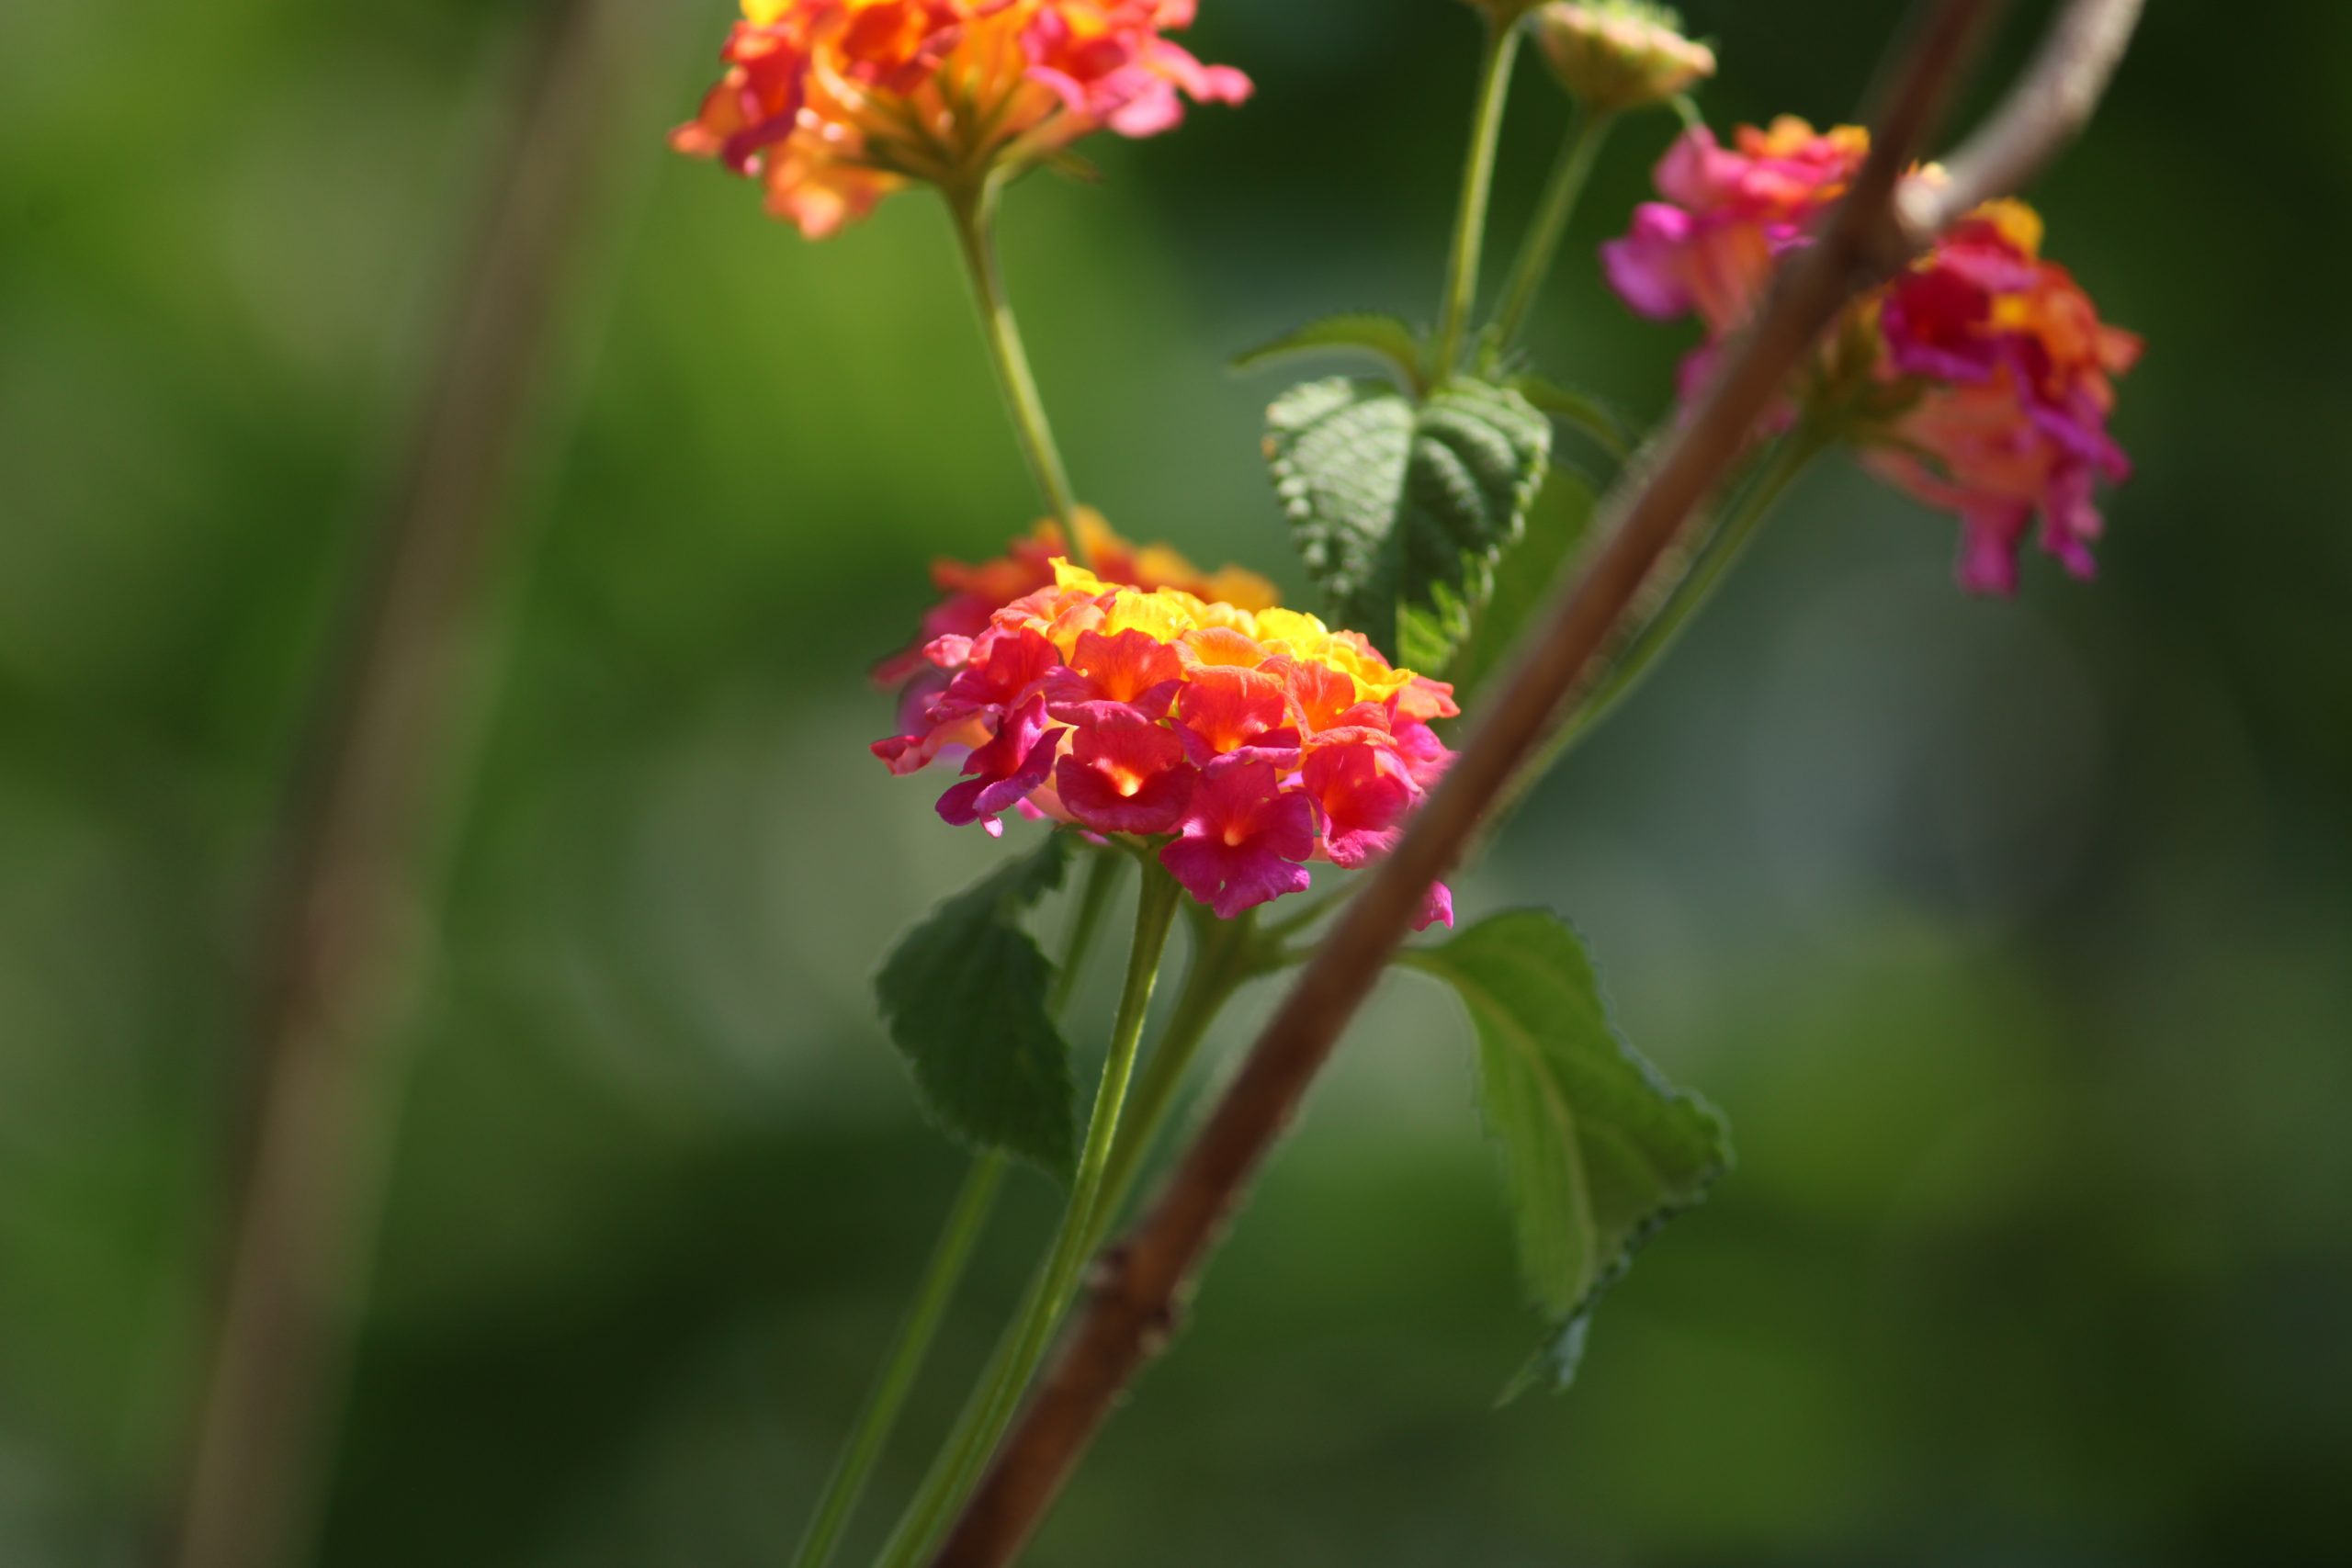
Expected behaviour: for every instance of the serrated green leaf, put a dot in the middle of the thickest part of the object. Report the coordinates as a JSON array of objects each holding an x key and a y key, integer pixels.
[
  {"x": 1385, "y": 337},
  {"x": 1524, "y": 576},
  {"x": 1598, "y": 1150},
  {"x": 1399, "y": 508},
  {"x": 1603, "y": 423},
  {"x": 963, "y": 995}
]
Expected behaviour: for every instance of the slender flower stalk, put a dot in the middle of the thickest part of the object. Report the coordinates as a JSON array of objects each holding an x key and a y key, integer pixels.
[
  {"x": 1586, "y": 132},
  {"x": 1715, "y": 556},
  {"x": 1226, "y": 955},
  {"x": 1477, "y": 186},
  {"x": 1093, "y": 902},
  {"x": 983, "y": 1422},
  {"x": 966, "y": 1219},
  {"x": 973, "y": 210}
]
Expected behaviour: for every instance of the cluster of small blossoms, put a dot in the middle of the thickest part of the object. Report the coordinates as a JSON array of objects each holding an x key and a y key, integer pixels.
[
  {"x": 974, "y": 593},
  {"x": 1245, "y": 744},
  {"x": 2001, "y": 367},
  {"x": 835, "y": 103}
]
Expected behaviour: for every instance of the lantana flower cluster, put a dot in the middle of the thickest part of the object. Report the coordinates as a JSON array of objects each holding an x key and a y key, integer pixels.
[
  {"x": 833, "y": 104},
  {"x": 974, "y": 593},
  {"x": 1244, "y": 744},
  {"x": 2003, "y": 371}
]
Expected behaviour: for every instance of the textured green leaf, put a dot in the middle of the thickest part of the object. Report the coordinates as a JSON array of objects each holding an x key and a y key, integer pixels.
[
  {"x": 1603, "y": 423},
  {"x": 963, "y": 995},
  {"x": 1399, "y": 508},
  {"x": 1524, "y": 578},
  {"x": 1598, "y": 1150}
]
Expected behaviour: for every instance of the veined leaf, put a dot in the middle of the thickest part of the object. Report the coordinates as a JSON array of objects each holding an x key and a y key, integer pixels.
[
  {"x": 1598, "y": 1150},
  {"x": 1385, "y": 337},
  {"x": 963, "y": 995},
  {"x": 1524, "y": 577},
  {"x": 1399, "y": 508}
]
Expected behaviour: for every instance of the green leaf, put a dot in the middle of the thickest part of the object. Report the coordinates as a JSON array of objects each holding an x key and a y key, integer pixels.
[
  {"x": 1399, "y": 508},
  {"x": 1524, "y": 578},
  {"x": 963, "y": 995},
  {"x": 1598, "y": 1150},
  {"x": 1385, "y": 337},
  {"x": 1580, "y": 411}
]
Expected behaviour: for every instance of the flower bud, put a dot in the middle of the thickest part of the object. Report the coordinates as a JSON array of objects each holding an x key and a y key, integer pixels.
[{"x": 1620, "y": 54}]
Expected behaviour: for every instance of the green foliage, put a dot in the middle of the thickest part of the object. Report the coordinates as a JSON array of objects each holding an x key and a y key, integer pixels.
[
  {"x": 1557, "y": 525},
  {"x": 1387, "y": 338},
  {"x": 964, "y": 996},
  {"x": 1400, "y": 508},
  {"x": 1598, "y": 1151}
]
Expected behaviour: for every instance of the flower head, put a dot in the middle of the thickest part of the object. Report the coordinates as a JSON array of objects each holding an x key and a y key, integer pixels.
[
  {"x": 835, "y": 103},
  {"x": 1729, "y": 214},
  {"x": 1986, "y": 374},
  {"x": 1620, "y": 54},
  {"x": 1247, "y": 742},
  {"x": 2015, "y": 375},
  {"x": 974, "y": 593}
]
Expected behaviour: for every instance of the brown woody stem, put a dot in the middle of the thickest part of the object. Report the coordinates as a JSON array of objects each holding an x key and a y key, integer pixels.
[
  {"x": 348, "y": 900},
  {"x": 1141, "y": 1280}
]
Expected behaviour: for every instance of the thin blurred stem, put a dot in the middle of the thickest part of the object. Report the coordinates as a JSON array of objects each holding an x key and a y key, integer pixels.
[
  {"x": 370, "y": 812},
  {"x": 1716, "y": 557},
  {"x": 1477, "y": 186},
  {"x": 1225, "y": 955},
  {"x": 1311, "y": 908},
  {"x": 1536, "y": 253},
  {"x": 966, "y": 1220},
  {"x": 1101, "y": 885},
  {"x": 1656, "y": 630},
  {"x": 990, "y": 1411},
  {"x": 973, "y": 208},
  {"x": 950, "y": 1255}
]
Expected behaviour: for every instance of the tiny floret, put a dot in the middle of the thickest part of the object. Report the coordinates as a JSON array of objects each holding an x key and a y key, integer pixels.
[{"x": 1242, "y": 743}]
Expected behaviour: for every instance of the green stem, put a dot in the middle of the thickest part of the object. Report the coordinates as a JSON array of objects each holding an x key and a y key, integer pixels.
[
  {"x": 966, "y": 1219},
  {"x": 1586, "y": 132},
  {"x": 1736, "y": 524},
  {"x": 1716, "y": 558},
  {"x": 1093, "y": 902},
  {"x": 1477, "y": 184},
  {"x": 982, "y": 1424},
  {"x": 973, "y": 208},
  {"x": 1224, "y": 955},
  {"x": 940, "y": 1277},
  {"x": 1311, "y": 908}
]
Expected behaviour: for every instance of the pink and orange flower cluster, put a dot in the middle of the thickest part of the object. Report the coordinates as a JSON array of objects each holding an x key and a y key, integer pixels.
[
  {"x": 2004, "y": 368},
  {"x": 835, "y": 103},
  {"x": 974, "y": 593},
  {"x": 1246, "y": 744}
]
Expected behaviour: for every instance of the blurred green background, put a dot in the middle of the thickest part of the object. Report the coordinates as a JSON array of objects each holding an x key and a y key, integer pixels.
[{"x": 2016, "y": 938}]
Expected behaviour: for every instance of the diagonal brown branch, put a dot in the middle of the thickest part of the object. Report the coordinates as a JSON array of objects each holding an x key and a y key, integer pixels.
[
  {"x": 2046, "y": 108},
  {"x": 1140, "y": 1282},
  {"x": 345, "y": 902}
]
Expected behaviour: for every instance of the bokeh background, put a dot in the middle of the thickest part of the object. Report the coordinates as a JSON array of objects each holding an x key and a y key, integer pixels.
[{"x": 2015, "y": 939}]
